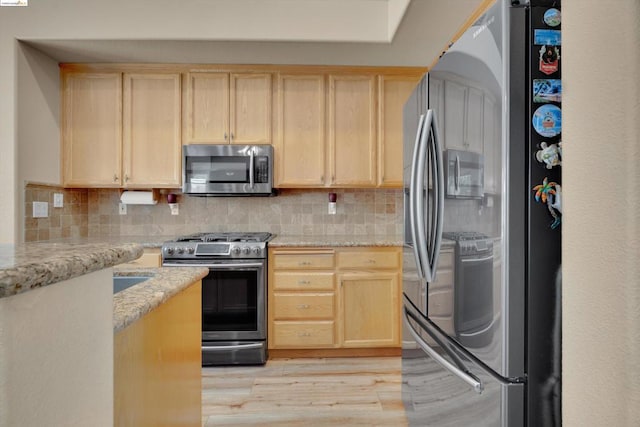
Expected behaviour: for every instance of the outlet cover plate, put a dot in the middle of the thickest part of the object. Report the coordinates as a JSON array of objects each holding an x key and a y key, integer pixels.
[
  {"x": 40, "y": 209},
  {"x": 58, "y": 200}
]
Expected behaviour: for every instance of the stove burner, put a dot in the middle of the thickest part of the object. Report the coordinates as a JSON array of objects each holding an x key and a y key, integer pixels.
[{"x": 225, "y": 237}]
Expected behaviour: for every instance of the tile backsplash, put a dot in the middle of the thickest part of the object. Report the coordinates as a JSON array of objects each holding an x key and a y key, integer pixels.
[
  {"x": 71, "y": 220},
  {"x": 360, "y": 212}
]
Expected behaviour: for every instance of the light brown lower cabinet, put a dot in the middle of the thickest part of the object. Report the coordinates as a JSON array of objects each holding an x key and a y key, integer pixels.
[
  {"x": 338, "y": 299},
  {"x": 157, "y": 365}
]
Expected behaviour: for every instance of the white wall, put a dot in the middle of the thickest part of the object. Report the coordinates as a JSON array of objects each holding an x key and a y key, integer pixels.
[
  {"x": 601, "y": 182},
  {"x": 56, "y": 354}
]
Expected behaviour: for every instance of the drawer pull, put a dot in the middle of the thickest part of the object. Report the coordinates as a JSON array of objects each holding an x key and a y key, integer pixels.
[
  {"x": 304, "y": 334},
  {"x": 371, "y": 261},
  {"x": 303, "y": 306},
  {"x": 304, "y": 282},
  {"x": 304, "y": 263}
]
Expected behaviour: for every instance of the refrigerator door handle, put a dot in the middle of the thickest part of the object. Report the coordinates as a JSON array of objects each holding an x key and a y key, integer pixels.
[
  {"x": 438, "y": 186},
  {"x": 413, "y": 196},
  {"x": 464, "y": 375},
  {"x": 423, "y": 238}
]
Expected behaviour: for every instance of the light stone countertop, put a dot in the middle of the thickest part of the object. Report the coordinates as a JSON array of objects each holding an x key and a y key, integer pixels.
[
  {"x": 144, "y": 241},
  {"x": 28, "y": 266},
  {"x": 132, "y": 303},
  {"x": 335, "y": 241}
]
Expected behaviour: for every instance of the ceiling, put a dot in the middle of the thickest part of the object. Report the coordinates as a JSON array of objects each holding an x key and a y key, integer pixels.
[{"x": 414, "y": 32}]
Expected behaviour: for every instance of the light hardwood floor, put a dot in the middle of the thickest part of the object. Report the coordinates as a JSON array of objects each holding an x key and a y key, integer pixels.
[{"x": 359, "y": 391}]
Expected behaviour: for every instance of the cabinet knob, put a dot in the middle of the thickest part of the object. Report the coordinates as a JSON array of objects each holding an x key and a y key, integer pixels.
[
  {"x": 231, "y": 140},
  {"x": 115, "y": 177},
  {"x": 225, "y": 136},
  {"x": 126, "y": 178}
]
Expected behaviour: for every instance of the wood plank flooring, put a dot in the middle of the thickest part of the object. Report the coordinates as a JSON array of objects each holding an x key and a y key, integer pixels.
[{"x": 359, "y": 391}]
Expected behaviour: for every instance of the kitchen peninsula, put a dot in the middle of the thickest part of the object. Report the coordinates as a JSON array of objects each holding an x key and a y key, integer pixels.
[{"x": 57, "y": 328}]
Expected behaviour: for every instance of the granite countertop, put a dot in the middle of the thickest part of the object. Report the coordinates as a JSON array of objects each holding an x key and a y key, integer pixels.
[
  {"x": 28, "y": 266},
  {"x": 132, "y": 303},
  {"x": 144, "y": 241},
  {"x": 335, "y": 241}
]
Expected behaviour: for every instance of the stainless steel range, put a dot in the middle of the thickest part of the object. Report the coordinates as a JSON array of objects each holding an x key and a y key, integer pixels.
[{"x": 234, "y": 312}]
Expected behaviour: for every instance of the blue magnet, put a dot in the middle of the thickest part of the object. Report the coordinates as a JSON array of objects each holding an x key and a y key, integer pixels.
[
  {"x": 547, "y": 90},
  {"x": 547, "y": 120},
  {"x": 548, "y": 37},
  {"x": 552, "y": 17}
]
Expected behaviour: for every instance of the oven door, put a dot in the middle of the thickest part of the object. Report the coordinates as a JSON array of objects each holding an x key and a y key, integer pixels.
[{"x": 233, "y": 299}]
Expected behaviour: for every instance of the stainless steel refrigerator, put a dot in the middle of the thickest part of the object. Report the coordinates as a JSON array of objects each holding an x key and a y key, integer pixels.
[{"x": 483, "y": 211}]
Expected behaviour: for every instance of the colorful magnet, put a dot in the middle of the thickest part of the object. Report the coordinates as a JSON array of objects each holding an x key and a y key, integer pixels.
[
  {"x": 550, "y": 154},
  {"x": 552, "y": 37},
  {"x": 549, "y": 59},
  {"x": 547, "y": 90},
  {"x": 550, "y": 193},
  {"x": 547, "y": 120},
  {"x": 552, "y": 17}
]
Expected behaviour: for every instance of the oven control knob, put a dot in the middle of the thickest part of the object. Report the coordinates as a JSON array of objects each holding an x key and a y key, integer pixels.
[
  {"x": 179, "y": 250},
  {"x": 235, "y": 250},
  {"x": 256, "y": 250},
  {"x": 169, "y": 251},
  {"x": 190, "y": 250},
  {"x": 245, "y": 251}
]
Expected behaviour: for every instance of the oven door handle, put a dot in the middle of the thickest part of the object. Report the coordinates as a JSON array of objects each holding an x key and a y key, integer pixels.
[
  {"x": 477, "y": 259},
  {"x": 251, "y": 166},
  {"x": 214, "y": 266},
  {"x": 232, "y": 347}
]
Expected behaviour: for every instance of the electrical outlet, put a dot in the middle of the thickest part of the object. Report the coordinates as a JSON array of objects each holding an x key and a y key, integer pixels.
[
  {"x": 122, "y": 209},
  {"x": 57, "y": 200},
  {"x": 40, "y": 209}
]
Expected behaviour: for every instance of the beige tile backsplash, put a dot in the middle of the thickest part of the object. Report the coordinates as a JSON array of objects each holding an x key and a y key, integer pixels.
[
  {"x": 360, "y": 212},
  {"x": 69, "y": 221}
]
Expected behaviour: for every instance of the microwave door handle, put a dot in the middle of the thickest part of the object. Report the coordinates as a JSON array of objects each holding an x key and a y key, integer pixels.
[
  {"x": 251, "y": 165},
  {"x": 423, "y": 249},
  {"x": 466, "y": 376},
  {"x": 413, "y": 195},
  {"x": 438, "y": 186},
  {"x": 457, "y": 177}
]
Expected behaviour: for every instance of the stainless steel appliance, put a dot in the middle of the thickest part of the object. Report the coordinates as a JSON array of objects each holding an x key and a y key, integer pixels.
[
  {"x": 464, "y": 174},
  {"x": 500, "y": 364},
  {"x": 227, "y": 170},
  {"x": 234, "y": 308}
]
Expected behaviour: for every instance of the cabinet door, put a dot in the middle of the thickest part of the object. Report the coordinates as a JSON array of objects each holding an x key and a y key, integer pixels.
[
  {"x": 151, "y": 128},
  {"x": 250, "y": 106},
  {"x": 352, "y": 134},
  {"x": 393, "y": 92},
  {"x": 92, "y": 130},
  {"x": 370, "y": 310},
  {"x": 454, "y": 115},
  {"x": 491, "y": 145},
  {"x": 474, "y": 120},
  {"x": 207, "y": 108},
  {"x": 300, "y": 153}
]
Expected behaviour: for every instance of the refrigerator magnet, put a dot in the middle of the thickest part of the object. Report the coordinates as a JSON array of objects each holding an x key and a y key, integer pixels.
[
  {"x": 549, "y": 59},
  {"x": 550, "y": 155},
  {"x": 552, "y": 37},
  {"x": 547, "y": 120},
  {"x": 550, "y": 193},
  {"x": 552, "y": 17},
  {"x": 547, "y": 90}
]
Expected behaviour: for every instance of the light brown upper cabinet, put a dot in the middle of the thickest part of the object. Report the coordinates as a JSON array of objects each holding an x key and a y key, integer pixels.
[
  {"x": 352, "y": 131},
  {"x": 300, "y": 146},
  {"x": 228, "y": 108},
  {"x": 121, "y": 130},
  {"x": 151, "y": 130},
  {"x": 92, "y": 129},
  {"x": 393, "y": 92}
]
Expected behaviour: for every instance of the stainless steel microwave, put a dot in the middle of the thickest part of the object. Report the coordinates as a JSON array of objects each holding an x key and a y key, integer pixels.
[
  {"x": 227, "y": 170},
  {"x": 464, "y": 174}
]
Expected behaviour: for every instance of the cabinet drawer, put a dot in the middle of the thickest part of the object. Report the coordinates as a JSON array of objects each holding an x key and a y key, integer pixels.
[
  {"x": 368, "y": 260},
  {"x": 303, "y": 261},
  {"x": 441, "y": 303},
  {"x": 303, "y": 334},
  {"x": 303, "y": 306},
  {"x": 298, "y": 281}
]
